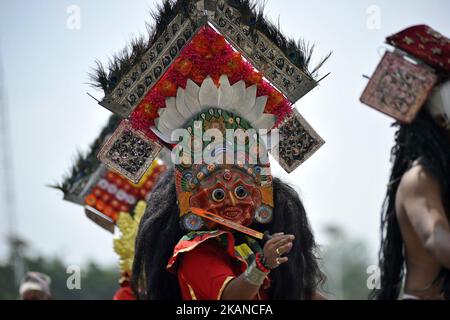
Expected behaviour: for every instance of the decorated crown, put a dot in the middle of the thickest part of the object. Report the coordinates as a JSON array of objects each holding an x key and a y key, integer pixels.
[
  {"x": 404, "y": 79},
  {"x": 425, "y": 44},
  {"x": 111, "y": 200},
  {"x": 203, "y": 58},
  {"x": 194, "y": 100}
]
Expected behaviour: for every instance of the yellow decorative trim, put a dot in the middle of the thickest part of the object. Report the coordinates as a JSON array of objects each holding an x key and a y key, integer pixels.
[
  {"x": 267, "y": 195},
  {"x": 147, "y": 174},
  {"x": 124, "y": 243},
  {"x": 244, "y": 250},
  {"x": 169, "y": 265},
  {"x": 183, "y": 202},
  {"x": 191, "y": 292},
  {"x": 225, "y": 283}
]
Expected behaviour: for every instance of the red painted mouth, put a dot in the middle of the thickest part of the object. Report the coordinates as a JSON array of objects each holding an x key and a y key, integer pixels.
[{"x": 231, "y": 212}]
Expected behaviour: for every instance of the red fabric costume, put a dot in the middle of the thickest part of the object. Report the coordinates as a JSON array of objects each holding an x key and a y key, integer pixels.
[
  {"x": 225, "y": 85},
  {"x": 124, "y": 293},
  {"x": 224, "y": 262},
  {"x": 426, "y": 44}
]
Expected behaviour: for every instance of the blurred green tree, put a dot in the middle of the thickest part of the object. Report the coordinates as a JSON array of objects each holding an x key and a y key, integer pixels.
[
  {"x": 345, "y": 262},
  {"x": 97, "y": 282}
]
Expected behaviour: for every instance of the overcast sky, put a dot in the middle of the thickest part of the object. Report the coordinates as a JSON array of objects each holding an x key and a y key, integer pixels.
[{"x": 45, "y": 66}]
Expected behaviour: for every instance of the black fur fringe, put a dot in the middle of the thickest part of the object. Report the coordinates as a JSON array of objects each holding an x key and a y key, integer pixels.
[{"x": 86, "y": 163}]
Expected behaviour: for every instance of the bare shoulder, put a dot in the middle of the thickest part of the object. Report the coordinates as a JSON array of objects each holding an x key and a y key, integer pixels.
[
  {"x": 417, "y": 181},
  {"x": 319, "y": 296}
]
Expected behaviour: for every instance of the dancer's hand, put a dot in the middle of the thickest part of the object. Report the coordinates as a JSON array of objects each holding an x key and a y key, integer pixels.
[{"x": 274, "y": 249}]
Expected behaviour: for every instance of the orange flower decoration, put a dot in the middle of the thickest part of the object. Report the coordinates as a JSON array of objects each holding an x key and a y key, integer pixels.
[
  {"x": 150, "y": 110},
  {"x": 149, "y": 185},
  {"x": 106, "y": 197},
  {"x": 235, "y": 64},
  {"x": 97, "y": 192},
  {"x": 115, "y": 204},
  {"x": 219, "y": 45},
  {"x": 197, "y": 76},
  {"x": 109, "y": 211},
  {"x": 183, "y": 66},
  {"x": 90, "y": 200},
  {"x": 202, "y": 46},
  {"x": 118, "y": 182},
  {"x": 275, "y": 98},
  {"x": 110, "y": 176},
  {"x": 124, "y": 208},
  {"x": 143, "y": 192},
  {"x": 100, "y": 206},
  {"x": 254, "y": 78},
  {"x": 167, "y": 88},
  {"x": 114, "y": 216}
]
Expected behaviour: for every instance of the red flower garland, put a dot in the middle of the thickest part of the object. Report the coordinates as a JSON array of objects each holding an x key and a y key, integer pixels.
[{"x": 208, "y": 54}]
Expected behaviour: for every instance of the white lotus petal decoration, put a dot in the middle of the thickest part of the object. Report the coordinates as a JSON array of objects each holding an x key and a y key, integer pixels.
[
  {"x": 225, "y": 93},
  {"x": 239, "y": 93},
  {"x": 171, "y": 117},
  {"x": 249, "y": 100},
  {"x": 209, "y": 94},
  {"x": 160, "y": 135},
  {"x": 163, "y": 130},
  {"x": 267, "y": 121},
  {"x": 257, "y": 110},
  {"x": 194, "y": 99},
  {"x": 171, "y": 103},
  {"x": 181, "y": 105},
  {"x": 191, "y": 97}
]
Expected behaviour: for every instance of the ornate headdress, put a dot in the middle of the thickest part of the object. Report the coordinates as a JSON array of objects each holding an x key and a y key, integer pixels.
[
  {"x": 415, "y": 74},
  {"x": 210, "y": 66},
  {"x": 111, "y": 200},
  {"x": 103, "y": 193}
]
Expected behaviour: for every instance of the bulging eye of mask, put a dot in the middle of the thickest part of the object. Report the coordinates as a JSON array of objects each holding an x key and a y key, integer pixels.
[{"x": 438, "y": 105}]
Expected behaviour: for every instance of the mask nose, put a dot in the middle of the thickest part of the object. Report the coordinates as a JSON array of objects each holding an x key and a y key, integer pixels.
[{"x": 231, "y": 198}]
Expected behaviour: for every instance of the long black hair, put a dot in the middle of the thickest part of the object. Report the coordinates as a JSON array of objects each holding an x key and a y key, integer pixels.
[
  {"x": 160, "y": 231},
  {"x": 423, "y": 141}
]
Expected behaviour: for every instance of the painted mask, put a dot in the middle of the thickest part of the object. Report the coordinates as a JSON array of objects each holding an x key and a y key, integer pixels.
[
  {"x": 229, "y": 193},
  {"x": 203, "y": 79},
  {"x": 240, "y": 192}
]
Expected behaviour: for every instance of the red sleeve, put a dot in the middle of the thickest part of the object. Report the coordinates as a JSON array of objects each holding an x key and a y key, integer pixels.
[{"x": 205, "y": 271}]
